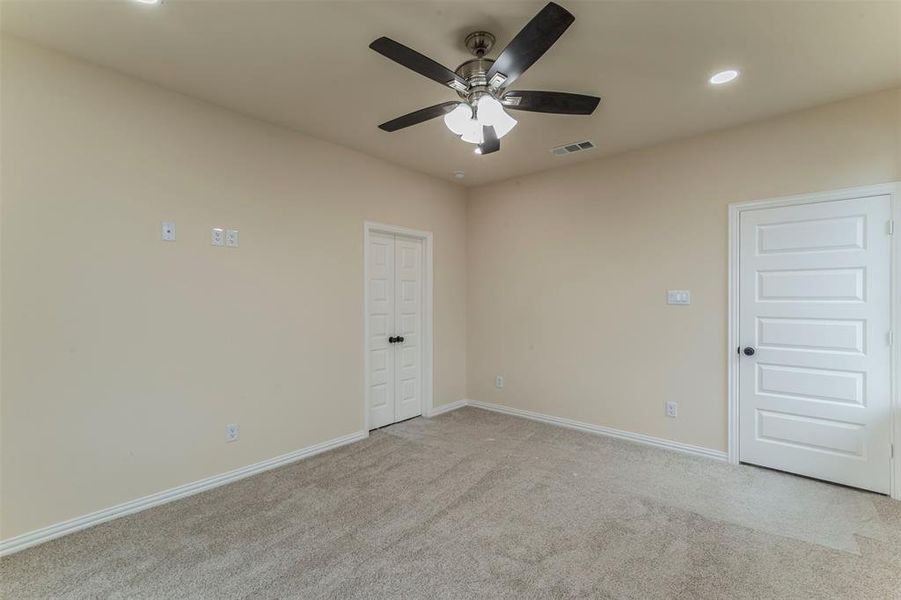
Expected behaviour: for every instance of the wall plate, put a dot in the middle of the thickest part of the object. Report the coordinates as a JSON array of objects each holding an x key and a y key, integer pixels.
[{"x": 678, "y": 297}]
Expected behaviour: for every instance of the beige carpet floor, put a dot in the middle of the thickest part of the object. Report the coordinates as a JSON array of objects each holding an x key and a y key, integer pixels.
[{"x": 474, "y": 504}]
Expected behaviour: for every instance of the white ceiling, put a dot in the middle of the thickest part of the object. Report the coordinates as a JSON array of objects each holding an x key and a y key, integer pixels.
[{"x": 306, "y": 65}]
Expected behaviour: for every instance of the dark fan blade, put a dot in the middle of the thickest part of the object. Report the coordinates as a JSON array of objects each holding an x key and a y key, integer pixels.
[
  {"x": 490, "y": 143},
  {"x": 420, "y": 116},
  {"x": 531, "y": 43},
  {"x": 560, "y": 103},
  {"x": 414, "y": 60}
]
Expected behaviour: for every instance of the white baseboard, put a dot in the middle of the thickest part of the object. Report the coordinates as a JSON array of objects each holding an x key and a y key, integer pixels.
[
  {"x": 38, "y": 536},
  {"x": 440, "y": 410},
  {"x": 601, "y": 430}
]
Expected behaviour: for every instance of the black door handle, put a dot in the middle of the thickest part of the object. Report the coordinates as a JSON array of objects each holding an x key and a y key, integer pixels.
[
  {"x": 400, "y": 338},
  {"x": 392, "y": 339},
  {"x": 749, "y": 351}
]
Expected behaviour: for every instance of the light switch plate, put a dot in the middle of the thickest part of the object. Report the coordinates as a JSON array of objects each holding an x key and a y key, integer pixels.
[
  {"x": 231, "y": 238},
  {"x": 167, "y": 231},
  {"x": 217, "y": 236},
  {"x": 678, "y": 297}
]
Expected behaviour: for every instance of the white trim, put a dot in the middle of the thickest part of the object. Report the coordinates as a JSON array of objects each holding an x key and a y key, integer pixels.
[
  {"x": 427, "y": 311},
  {"x": 735, "y": 210},
  {"x": 896, "y": 344},
  {"x": 39, "y": 536},
  {"x": 639, "y": 438},
  {"x": 732, "y": 337},
  {"x": 445, "y": 408}
]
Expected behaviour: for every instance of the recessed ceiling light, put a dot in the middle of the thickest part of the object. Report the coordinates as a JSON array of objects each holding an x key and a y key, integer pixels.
[
  {"x": 147, "y": 1},
  {"x": 724, "y": 77},
  {"x": 459, "y": 174}
]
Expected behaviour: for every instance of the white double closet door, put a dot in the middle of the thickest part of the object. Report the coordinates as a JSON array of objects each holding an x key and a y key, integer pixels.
[{"x": 395, "y": 314}]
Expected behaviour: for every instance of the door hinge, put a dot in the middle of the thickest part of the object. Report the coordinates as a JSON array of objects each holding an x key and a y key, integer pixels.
[
  {"x": 890, "y": 228},
  {"x": 891, "y": 338},
  {"x": 891, "y": 450}
]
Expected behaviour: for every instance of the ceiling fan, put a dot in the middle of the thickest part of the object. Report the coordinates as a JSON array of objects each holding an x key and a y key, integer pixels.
[{"x": 482, "y": 82}]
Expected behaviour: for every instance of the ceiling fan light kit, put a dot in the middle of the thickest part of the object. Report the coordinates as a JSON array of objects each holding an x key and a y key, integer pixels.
[{"x": 480, "y": 117}]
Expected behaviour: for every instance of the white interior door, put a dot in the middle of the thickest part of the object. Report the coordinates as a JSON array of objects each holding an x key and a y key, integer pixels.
[
  {"x": 814, "y": 301},
  {"x": 395, "y": 314},
  {"x": 408, "y": 319},
  {"x": 381, "y": 315}
]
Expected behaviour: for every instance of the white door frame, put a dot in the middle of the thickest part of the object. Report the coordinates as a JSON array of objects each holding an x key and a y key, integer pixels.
[
  {"x": 427, "y": 306},
  {"x": 735, "y": 210}
]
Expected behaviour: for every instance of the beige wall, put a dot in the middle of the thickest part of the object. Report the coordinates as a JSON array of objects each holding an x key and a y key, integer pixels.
[
  {"x": 124, "y": 357},
  {"x": 568, "y": 268}
]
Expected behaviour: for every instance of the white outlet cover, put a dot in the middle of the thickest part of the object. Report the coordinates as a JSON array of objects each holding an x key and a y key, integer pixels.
[
  {"x": 231, "y": 238},
  {"x": 499, "y": 382},
  {"x": 217, "y": 236},
  {"x": 231, "y": 433},
  {"x": 167, "y": 231},
  {"x": 672, "y": 409},
  {"x": 678, "y": 297}
]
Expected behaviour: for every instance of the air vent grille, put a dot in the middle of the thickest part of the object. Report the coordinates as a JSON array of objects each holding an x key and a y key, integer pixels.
[{"x": 570, "y": 148}]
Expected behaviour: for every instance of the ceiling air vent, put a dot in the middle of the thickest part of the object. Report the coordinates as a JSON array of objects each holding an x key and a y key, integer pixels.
[{"x": 570, "y": 148}]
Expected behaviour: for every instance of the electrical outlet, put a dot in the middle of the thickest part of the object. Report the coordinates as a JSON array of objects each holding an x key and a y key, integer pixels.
[
  {"x": 672, "y": 409},
  {"x": 167, "y": 231},
  {"x": 231, "y": 238},
  {"x": 231, "y": 433},
  {"x": 499, "y": 382},
  {"x": 217, "y": 236}
]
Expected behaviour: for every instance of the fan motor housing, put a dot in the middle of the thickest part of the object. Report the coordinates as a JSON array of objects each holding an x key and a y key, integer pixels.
[{"x": 474, "y": 71}]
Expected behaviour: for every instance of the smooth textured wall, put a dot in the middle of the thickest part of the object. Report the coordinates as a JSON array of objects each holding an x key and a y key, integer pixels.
[
  {"x": 568, "y": 269},
  {"x": 124, "y": 357}
]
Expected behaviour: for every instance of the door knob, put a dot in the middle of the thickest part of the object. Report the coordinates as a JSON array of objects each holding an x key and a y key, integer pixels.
[
  {"x": 392, "y": 339},
  {"x": 400, "y": 338},
  {"x": 749, "y": 351}
]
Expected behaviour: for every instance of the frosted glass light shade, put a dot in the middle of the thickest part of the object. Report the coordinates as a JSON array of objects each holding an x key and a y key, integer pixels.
[
  {"x": 473, "y": 132},
  {"x": 458, "y": 119},
  {"x": 491, "y": 113}
]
